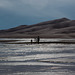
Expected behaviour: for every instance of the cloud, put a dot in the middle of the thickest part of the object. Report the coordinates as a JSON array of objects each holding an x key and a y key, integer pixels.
[
  {"x": 37, "y": 4},
  {"x": 37, "y": 8},
  {"x": 18, "y": 4}
]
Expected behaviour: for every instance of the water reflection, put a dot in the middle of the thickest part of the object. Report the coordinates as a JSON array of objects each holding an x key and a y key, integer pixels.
[{"x": 53, "y": 58}]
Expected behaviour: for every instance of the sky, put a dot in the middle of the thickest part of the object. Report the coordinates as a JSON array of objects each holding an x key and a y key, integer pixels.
[{"x": 27, "y": 12}]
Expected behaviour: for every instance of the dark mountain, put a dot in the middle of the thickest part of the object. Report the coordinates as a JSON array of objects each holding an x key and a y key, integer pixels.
[{"x": 59, "y": 28}]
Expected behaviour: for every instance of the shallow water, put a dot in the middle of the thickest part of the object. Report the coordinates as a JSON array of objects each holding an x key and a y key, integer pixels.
[{"x": 37, "y": 59}]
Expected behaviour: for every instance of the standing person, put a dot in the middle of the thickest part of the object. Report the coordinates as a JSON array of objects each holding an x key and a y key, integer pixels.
[
  {"x": 31, "y": 41},
  {"x": 37, "y": 39}
]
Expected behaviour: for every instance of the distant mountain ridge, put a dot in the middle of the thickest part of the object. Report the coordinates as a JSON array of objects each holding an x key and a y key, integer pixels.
[{"x": 59, "y": 28}]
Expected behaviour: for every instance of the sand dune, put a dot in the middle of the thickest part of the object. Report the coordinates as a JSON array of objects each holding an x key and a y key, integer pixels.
[{"x": 59, "y": 28}]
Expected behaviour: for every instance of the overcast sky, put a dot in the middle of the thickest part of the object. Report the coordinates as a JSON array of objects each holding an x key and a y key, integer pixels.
[{"x": 26, "y": 12}]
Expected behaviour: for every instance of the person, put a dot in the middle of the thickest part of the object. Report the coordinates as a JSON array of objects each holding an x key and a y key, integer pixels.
[
  {"x": 31, "y": 41},
  {"x": 37, "y": 39}
]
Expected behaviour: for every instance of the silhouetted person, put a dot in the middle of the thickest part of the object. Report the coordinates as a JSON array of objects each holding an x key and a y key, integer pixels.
[
  {"x": 31, "y": 41},
  {"x": 37, "y": 39}
]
